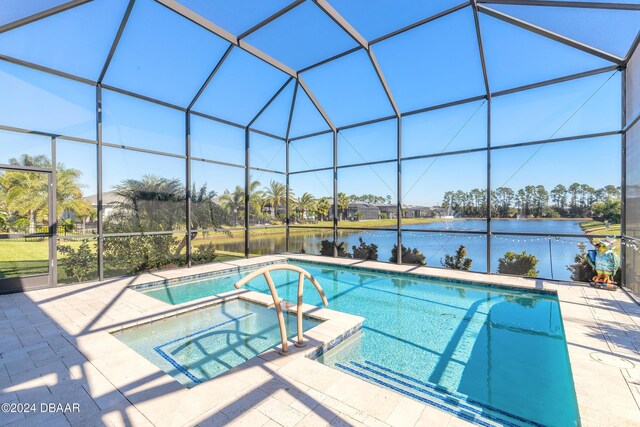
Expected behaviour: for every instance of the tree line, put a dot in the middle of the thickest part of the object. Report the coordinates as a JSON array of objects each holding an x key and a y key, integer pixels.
[{"x": 535, "y": 201}]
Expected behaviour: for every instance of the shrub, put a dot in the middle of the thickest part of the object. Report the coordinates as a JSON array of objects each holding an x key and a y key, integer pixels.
[
  {"x": 518, "y": 264},
  {"x": 364, "y": 251},
  {"x": 342, "y": 253},
  {"x": 459, "y": 261},
  {"x": 134, "y": 254},
  {"x": 409, "y": 255},
  {"x": 326, "y": 249},
  {"x": 203, "y": 254},
  {"x": 79, "y": 264},
  {"x": 581, "y": 270}
]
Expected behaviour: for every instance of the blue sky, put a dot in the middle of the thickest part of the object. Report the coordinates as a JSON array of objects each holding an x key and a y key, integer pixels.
[{"x": 429, "y": 65}]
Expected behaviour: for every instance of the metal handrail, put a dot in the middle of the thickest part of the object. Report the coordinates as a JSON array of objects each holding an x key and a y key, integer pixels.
[{"x": 264, "y": 271}]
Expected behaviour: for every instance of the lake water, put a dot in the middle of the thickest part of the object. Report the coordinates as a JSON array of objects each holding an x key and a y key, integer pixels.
[{"x": 554, "y": 254}]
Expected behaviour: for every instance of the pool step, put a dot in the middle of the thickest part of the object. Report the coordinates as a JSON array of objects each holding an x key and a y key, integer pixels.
[{"x": 432, "y": 395}]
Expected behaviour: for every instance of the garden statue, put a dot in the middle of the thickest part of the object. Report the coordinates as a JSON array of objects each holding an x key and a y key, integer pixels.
[{"x": 605, "y": 262}]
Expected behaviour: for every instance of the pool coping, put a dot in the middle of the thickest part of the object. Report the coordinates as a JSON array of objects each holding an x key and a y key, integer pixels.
[
  {"x": 201, "y": 276},
  {"x": 607, "y": 395},
  {"x": 407, "y": 274},
  {"x": 312, "y": 349},
  {"x": 334, "y": 328}
]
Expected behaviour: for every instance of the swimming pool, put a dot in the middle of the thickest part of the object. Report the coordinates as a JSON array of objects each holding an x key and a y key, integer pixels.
[
  {"x": 201, "y": 344},
  {"x": 487, "y": 354}
]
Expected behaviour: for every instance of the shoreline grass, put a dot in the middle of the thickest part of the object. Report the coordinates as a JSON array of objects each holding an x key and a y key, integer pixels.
[{"x": 599, "y": 227}]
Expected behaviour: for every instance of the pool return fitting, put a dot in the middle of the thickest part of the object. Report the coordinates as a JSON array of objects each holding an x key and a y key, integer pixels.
[{"x": 264, "y": 271}]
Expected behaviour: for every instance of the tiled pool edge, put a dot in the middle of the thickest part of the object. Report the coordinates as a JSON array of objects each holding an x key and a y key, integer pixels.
[
  {"x": 485, "y": 281},
  {"x": 409, "y": 275},
  {"x": 194, "y": 277},
  {"x": 320, "y": 336},
  {"x": 316, "y": 353}
]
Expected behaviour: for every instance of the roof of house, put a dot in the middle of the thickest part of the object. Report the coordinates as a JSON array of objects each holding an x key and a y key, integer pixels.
[{"x": 108, "y": 198}]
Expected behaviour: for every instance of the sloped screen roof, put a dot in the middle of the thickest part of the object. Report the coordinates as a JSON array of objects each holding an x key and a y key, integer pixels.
[{"x": 351, "y": 61}]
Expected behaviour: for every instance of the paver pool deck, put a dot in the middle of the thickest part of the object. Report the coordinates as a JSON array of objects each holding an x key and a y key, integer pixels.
[{"x": 56, "y": 347}]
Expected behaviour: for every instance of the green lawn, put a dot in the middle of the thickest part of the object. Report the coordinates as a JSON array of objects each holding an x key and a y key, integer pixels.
[
  {"x": 20, "y": 258},
  {"x": 23, "y": 258},
  {"x": 598, "y": 227}
]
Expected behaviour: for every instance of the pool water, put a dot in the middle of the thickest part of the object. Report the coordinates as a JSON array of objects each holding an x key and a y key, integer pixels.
[
  {"x": 202, "y": 344},
  {"x": 489, "y": 355}
]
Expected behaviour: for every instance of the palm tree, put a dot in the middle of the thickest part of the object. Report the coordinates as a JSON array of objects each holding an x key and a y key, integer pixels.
[
  {"x": 257, "y": 201},
  {"x": 27, "y": 194},
  {"x": 205, "y": 213},
  {"x": 149, "y": 203},
  {"x": 256, "y": 198},
  {"x": 322, "y": 207},
  {"x": 306, "y": 203},
  {"x": 275, "y": 195},
  {"x": 233, "y": 202},
  {"x": 69, "y": 197},
  {"x": 343, "y": 204}
]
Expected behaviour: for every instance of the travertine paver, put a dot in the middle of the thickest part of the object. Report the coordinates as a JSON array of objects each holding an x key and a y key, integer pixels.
[{"x": 55, "y": 348}]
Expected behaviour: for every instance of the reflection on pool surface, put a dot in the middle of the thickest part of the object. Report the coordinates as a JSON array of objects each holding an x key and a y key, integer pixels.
[
  {"x": 486, "y": 354},
  {"x": 202, "y": 344}
]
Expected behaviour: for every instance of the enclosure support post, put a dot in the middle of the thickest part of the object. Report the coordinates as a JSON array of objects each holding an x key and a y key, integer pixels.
[
  {"x": 488, "y": 213},
  {"x": 247, "y": 188},
  {"x": 288, "y": 142},
  {"x": 623, "y": 180},
  {"x": 335, "y": 193},
  {"x": 53, "y": 217},
  {"x": 551, "y": 256},
  {"x": 287, "y": 207},
  {"x": 399, "y": 191},
  {"x": 188, "y": 185},
  {"x": 485, "y": 75},
  {"x": 99, "y": 183}
]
